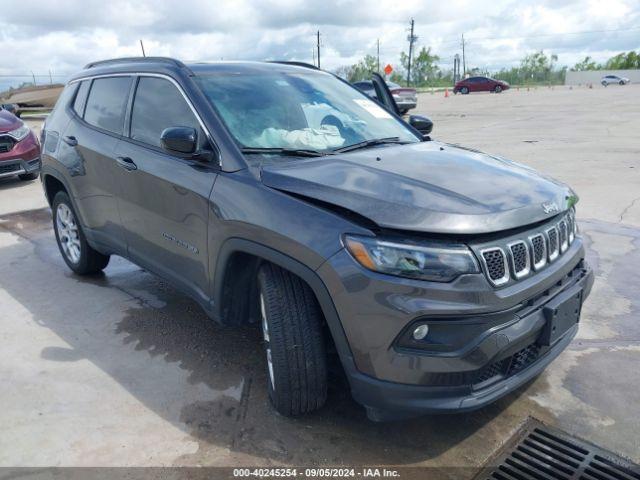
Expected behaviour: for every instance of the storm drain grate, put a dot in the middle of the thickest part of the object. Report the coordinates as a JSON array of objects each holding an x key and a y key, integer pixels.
[{"x": 543, "y": 453}]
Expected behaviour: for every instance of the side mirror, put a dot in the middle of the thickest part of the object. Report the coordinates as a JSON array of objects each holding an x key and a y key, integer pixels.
[
  {"x": 423, "y": 124},
  {"x": 183, "y": 140}
]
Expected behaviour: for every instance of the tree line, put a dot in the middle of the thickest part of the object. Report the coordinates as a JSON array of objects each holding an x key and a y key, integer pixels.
[{"x": 534, "y": 69}]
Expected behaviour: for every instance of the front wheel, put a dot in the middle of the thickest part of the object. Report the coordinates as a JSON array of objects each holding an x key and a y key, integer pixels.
[
  {"x": 498, "y": 89},
  {"x": 76, "y": 252},
  {"x": 293, "y": 340},
  {"x": 621, "y": 82}
]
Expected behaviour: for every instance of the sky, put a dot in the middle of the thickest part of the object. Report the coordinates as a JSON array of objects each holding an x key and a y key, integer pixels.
[{"x": 60, "y": 36}]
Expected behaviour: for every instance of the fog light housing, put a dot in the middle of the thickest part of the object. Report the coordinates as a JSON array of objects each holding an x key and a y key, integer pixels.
[{"x": 421, "y": 332}]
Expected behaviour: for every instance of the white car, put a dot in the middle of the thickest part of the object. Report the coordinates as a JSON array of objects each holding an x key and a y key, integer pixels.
[{"x": 609, "y": 79}]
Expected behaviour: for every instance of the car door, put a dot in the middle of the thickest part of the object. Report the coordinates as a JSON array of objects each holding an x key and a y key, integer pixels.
[
  {"x": 163, "y": 196},
  {"x": 383, "y": 94},
  {"x": 87, "y": 150}
]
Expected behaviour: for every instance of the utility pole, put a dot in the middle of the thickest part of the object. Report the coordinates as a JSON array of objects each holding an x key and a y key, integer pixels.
[
  {"x": 464, "y": 61},
  {"x": 378, "y": 56},
  {"x": 318, "y": 48},
  {"x": 142, "y": 47},
  {"x": 412, "y": 38}
]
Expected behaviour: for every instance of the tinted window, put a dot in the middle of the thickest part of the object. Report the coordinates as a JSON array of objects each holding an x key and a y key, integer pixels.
[
  {"x": 106, "y": 103},
  {"x": 81, "y": 97},
  {"x": 158, "y": 105}
]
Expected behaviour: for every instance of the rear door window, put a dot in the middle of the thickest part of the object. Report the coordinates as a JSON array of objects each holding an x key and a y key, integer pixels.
[
  {"x": 158, "y": 105},
  {"x": 107, "y": 102}
]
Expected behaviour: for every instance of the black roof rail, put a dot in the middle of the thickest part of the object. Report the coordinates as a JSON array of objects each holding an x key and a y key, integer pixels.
[
  {"x": 296, "y": 64},
  {"x": 172, "y": 61}
]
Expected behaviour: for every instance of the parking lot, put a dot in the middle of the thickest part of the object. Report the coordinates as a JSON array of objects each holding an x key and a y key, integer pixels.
[{"x": 123, "y": 370}]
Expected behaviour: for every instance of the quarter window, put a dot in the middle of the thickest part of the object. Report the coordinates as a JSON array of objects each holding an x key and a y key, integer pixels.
[
  {"x": 158, "y": 105},
  {"x": 106, "y": 103},
  {"x": 81, "y": 98}
]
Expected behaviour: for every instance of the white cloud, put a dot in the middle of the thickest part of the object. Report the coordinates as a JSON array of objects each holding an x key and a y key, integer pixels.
[{"x": 63, "y": 35}]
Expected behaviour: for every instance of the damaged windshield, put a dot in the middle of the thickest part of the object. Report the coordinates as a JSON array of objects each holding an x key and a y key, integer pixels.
[{"x": 295, "y": 110}]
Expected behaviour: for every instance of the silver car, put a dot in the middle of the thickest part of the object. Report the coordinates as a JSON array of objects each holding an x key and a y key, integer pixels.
[{"x": 613, "y": 79}]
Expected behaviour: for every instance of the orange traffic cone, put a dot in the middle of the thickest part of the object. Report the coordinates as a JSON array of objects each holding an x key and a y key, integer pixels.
[{"x": 446, "y": 93}]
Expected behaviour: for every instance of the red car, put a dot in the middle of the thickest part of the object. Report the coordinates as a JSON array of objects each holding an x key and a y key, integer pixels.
[
  {"x": 480, "y": 84},
  {"x": 19, "y": 148}
]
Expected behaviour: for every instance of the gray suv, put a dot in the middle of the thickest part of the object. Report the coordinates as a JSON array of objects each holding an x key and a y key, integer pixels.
[{"x": 277, "y": 194}]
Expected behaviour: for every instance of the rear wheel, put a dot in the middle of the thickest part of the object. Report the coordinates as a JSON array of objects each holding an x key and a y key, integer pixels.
[
  {"x": 76, "y": 252},
  {"x": 294, "y": 342},
  {"x": 464, "y": 90},
  {"x": 28, "y": 176}
]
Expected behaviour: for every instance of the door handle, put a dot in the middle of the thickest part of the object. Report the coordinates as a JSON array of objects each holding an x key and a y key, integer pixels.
[
  {"x": 126, "y": 163},
  {"x": 70, "y": 140}
]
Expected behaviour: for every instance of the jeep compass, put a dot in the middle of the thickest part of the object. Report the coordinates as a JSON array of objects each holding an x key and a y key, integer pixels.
[{"x": 278, "y": 194}]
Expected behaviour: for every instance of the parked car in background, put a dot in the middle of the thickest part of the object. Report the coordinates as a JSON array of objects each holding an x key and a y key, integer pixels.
[
  {"x": 406, "y": 98},
  {"x": 480, "y": 84},
  {"x": 613, "y": 79},
  {"x": 11, "y": 107},
  {"x": 19, "y": 148}
]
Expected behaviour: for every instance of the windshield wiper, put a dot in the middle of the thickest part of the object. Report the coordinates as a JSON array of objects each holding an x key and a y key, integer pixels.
[
  {"x": 369, "y": 143},
  {"x": 293, "y": 152}
]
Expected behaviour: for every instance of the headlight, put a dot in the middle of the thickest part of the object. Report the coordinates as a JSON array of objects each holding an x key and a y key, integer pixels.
[
  {"x": 437, "y": 263},
  {"x": 20, "y": 132}
]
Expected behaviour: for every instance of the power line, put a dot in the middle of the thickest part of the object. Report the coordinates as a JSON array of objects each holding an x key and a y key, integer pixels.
[{"x": 412, "y": 38}]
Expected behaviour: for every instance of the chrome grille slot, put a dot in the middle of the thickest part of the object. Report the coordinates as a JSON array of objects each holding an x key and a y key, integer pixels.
[
  {"x": 520, "y": 261},
  {"x": 564, "y": 236},
  {"x": 495, "y": 263},
  {"x": 552, "y": 238},
  {"x": 538, "y": 251}
]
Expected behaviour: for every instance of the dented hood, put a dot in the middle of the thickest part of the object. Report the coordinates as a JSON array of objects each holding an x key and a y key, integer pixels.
[{"x": 426, "y": 187}]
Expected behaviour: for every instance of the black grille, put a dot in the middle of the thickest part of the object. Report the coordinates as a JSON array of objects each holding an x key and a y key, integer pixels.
[
  {"x": 6, "y": 143},
  {"x": 520, "y": 257},
  {"x": 537, "y": 243},
  {"x": 540, "y": 452},
  {"x": 494, "y": 260},
  {"x": 523, "y": 358},
  {"x": 510, "y": 365},
  {"x": 553, "y": 241},
  {"x": 489, "y": 372},
  {"x": 14, "y": 167}
]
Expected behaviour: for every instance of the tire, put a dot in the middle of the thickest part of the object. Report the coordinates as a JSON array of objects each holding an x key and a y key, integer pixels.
[
  {"x": 621, "y": 82},
  {"x": 76, "y": 252},
  {"x": 498, "y": 89},
  {"x": 28, "y": 176},
  {"x": 464, "y": 91},
  {"x": 294, "y": 342},
  {"x": 604, "y": 84}
]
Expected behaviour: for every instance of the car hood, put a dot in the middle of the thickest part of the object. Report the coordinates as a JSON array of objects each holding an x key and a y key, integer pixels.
[
  {"x": 425, "y": 187},
  {"x": 8, "y": 121}
]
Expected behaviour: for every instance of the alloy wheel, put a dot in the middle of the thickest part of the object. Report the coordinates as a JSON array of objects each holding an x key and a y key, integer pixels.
[
  {"x": 266, "y": 338},
  {"x": 68, "y": 233}
]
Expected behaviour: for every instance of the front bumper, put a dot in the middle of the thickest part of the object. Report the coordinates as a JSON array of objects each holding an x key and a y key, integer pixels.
[
  {"x": 513, "y": 364},
  {"x": 9, "y": 168},
  {"x": 487, "y": 339}
]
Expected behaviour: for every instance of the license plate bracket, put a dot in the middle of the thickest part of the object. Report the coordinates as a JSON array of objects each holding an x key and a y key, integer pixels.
[{"x": 561, "y": 313}]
